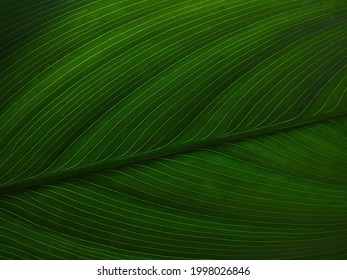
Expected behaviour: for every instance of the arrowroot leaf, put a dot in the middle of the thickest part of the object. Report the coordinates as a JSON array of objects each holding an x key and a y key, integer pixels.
[{"x": 173, "y": 129}]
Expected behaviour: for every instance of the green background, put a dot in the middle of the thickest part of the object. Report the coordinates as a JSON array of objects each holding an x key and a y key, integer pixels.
[{"x": 173, "y": 129}]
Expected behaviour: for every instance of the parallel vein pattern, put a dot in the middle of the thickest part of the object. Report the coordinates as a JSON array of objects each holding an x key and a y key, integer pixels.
[{"x": 173, "y": 129}]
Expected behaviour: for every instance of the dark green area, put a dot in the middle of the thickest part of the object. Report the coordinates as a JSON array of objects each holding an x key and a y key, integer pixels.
[{"x": 173, "y": 129}]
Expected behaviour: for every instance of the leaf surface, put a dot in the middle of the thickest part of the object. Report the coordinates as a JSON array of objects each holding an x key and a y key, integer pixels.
[{"x": 173, "y": 130}]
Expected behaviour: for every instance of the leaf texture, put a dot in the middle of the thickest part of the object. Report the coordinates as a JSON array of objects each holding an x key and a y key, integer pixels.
[{"x": 173, "y": 129}]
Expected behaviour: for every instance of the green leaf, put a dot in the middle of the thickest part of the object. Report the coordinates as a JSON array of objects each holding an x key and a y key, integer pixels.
[{"x": 173, "y": 129}]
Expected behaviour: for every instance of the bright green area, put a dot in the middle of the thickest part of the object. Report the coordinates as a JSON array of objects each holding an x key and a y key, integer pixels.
[{"x": 173, "y": 129}]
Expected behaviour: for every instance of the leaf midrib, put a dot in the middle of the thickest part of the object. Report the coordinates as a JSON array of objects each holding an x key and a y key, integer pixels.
[{"x": 50, "y": 178}]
